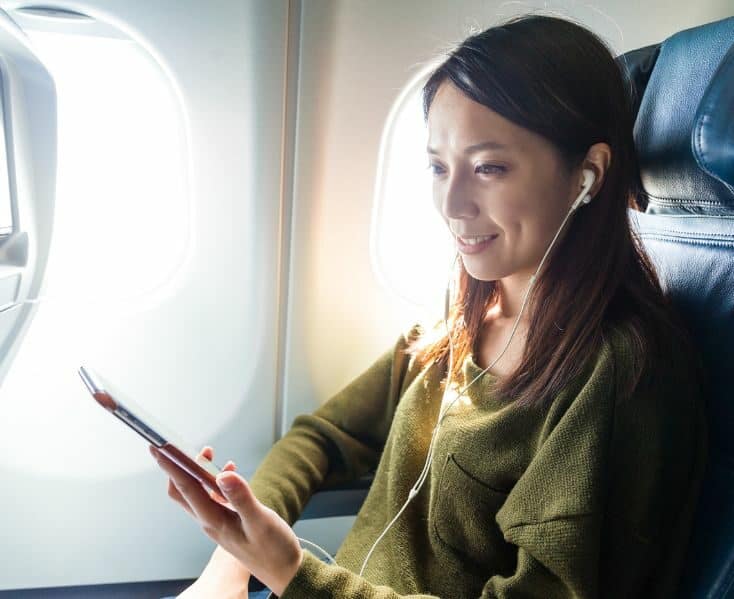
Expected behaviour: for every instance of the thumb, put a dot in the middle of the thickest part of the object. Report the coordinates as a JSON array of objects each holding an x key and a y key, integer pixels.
[{"x": 237, "y": 491}]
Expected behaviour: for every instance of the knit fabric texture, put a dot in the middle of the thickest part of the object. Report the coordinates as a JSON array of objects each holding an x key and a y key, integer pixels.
[{"x": 591, "y": 497}]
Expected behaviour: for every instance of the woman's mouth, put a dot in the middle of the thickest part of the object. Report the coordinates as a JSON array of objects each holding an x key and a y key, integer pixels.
[{"x": 474, "y": 248}]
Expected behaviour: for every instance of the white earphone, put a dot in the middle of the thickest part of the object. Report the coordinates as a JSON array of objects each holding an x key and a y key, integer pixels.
[{"x": 585, "y": 197}]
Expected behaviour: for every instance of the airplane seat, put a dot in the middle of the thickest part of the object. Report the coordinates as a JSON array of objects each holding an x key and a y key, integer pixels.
[{"x": 683, "y": 90}]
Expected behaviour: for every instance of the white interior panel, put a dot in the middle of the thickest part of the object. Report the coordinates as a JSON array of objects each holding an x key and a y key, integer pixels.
[{"x": 86, "y": 503}]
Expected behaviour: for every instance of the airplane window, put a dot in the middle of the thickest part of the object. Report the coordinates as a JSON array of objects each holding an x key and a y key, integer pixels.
[
  {"x": 6, "y": 217},
  {"x": 121, "y": 238},
  {"x": 121, "y": 205},
  {"x": 411, "y": 247}
]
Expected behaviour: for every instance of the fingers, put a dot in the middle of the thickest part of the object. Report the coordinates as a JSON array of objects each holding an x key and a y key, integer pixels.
[
  {"x": 207, "y": 452},
  {"x": 174, "y": 494},
  {"x": 239, "y": 494},
  {"x": 215, "y": 496},
  {"x": 210, "y": 515}
]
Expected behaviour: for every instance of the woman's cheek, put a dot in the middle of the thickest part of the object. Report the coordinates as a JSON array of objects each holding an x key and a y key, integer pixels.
[{"x": 510, "y": 220}]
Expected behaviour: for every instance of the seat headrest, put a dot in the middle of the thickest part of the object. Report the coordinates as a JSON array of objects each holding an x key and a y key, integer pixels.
[{"x": 683, "y": 92}]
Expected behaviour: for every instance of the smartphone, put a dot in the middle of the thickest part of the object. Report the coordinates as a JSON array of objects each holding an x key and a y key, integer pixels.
[{"x": 145, "y": 425}]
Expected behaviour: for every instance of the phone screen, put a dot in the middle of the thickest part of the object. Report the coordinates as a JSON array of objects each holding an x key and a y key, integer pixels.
[{"x": 134, "y": 416}]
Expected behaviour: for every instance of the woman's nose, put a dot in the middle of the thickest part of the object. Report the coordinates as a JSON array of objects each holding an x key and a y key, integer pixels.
[{"x": 457, "y": 201}]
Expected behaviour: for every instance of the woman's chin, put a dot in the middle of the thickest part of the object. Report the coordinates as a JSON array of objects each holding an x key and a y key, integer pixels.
[{"x": 476, "y": 271}]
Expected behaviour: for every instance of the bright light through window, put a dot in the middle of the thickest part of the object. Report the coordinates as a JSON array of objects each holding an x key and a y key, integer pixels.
[
  {"x": 122, "y": 215},
  {"x": 411, "y": 247},
  {"x": 121, "y": 240}
]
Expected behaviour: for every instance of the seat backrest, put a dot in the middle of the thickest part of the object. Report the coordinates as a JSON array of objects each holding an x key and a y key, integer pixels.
[{"x": 684, "y": 135}]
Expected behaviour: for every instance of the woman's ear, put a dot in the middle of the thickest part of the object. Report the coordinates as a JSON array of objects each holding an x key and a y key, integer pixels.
[{"x": 597, "y": 159}]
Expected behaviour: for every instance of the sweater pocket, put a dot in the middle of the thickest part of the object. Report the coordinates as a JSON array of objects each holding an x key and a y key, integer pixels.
[{"x": 463, "y": 516}]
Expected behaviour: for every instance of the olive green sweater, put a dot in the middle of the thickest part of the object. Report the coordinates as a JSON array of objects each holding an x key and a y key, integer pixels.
[{"x": 591, "y": 497}]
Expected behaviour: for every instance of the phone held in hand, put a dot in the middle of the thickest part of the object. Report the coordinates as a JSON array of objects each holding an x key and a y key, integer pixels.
[{"x": 146, "y": 426}]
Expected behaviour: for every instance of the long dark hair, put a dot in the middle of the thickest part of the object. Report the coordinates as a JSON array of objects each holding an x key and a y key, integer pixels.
[{"x": 559, "y": 80}]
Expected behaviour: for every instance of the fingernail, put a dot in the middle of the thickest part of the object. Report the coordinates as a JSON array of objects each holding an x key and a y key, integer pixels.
[
  {"x": 153, "y": 451},
  {"x": 226, "y": 483}
]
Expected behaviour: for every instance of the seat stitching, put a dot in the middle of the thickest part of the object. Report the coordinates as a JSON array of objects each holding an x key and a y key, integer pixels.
[
  {"x": 710, "y": 242},
  {"x": 664, "y": 200},
  {"x": 690, "y": 233}
]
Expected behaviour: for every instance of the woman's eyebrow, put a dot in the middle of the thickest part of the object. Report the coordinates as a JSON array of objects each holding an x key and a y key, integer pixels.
[{"x": 485, "y": 145}]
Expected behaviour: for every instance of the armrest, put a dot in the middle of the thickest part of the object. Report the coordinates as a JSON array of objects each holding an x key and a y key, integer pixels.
[{"x": 344, "y": 500}]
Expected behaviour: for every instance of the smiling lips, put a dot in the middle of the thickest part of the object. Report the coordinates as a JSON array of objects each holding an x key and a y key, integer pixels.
[
  {"x": 474, "y": 247},
  {"x": 474, "y": 239}
]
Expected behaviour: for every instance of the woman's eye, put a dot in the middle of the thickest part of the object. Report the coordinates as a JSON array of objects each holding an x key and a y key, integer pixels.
[
  {"x": 435, "y": 169},
  {"x": 488, "y": 169},
  {"x": 484, "y": 169}
]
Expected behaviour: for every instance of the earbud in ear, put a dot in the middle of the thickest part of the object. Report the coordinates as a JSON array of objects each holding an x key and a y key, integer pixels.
[
  {"x": 589, "y": 178},
  {"x": 584, "y": 197}
]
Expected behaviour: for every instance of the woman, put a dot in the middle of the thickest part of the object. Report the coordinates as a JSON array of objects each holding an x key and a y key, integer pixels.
[{"x": 571, "y": 465}]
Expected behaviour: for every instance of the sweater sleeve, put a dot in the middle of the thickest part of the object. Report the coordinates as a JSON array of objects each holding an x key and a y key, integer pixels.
[
  {"x": 340, "y": 441},
  {"x": 315, "y": 578}
]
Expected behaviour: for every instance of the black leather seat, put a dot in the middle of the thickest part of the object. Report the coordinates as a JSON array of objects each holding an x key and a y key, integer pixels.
[{"x": 684, "y": 135}]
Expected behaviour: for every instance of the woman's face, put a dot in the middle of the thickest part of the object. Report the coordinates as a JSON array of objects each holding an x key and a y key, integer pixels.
[{"x": 519, "y": 193}]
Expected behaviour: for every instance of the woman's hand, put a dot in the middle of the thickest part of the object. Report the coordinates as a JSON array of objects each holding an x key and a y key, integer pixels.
[
  {"x": 224, "y": 576},
  {"x": 254, "y": 534}
]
